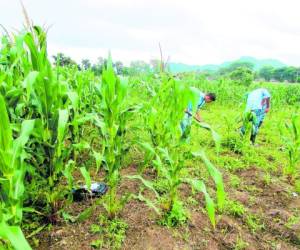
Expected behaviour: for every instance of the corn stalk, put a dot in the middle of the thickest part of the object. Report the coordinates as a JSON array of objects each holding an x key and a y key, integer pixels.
[{"x": 114, "y": 113}]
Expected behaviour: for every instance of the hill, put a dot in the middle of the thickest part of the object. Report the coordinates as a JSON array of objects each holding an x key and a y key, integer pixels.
[{"x": 258, "y": 64}]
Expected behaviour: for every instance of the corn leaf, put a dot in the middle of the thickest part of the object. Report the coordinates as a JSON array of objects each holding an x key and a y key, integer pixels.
[
  {"x": 210, "y": 207},
  {"x": 217, "y": 177},
  {"x": 146, "y": 183},
  {"x": 61, "y": 127},
  {"x": 15, "y": 235},
  {"x": 86, "y": 176},
  {"x": 5, "y": 129}
]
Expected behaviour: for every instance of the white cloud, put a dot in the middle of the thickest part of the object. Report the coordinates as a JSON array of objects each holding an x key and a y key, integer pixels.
[{"x": 191, "y": 31}]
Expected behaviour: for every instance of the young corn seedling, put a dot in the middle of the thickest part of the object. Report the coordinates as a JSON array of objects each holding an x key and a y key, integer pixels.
[{"x": 291, "y": 138}]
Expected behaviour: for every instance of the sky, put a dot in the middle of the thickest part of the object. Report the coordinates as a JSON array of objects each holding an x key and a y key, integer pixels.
[{"x": 190, "y": 31}]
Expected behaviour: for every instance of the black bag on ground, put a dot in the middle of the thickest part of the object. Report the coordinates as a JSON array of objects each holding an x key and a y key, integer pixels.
[{"x": 97, "y": 189}]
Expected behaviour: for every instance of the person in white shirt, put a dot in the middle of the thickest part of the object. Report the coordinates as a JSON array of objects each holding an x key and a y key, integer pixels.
[{"x": 258, "y": 103}]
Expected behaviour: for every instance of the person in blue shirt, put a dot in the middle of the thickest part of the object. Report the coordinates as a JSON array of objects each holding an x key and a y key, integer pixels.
[
  {"x": 258, "y": 104},
  {"x": 187, "y": 120}
]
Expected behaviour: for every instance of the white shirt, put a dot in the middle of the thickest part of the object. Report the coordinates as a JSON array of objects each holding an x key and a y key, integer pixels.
[{"x": 255, "y": 99}]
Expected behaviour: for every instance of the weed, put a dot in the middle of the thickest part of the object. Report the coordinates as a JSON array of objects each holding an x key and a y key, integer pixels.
[
  {"x": 234, "y": 208},
  {"x": 292, "y": 221},
  {"x": 235, "y": 181},
  {"x": 240, "y": 244},
  {"x": 267, "y": 179},
  {"x": 111, "y": 232},
  {"x": 254, "y": 223}
]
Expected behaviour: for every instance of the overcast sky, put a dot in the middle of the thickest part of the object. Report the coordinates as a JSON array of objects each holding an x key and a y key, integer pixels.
[{"x": 190, "y": 31}]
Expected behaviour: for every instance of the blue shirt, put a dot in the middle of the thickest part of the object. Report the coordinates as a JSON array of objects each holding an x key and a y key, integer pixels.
[
  {"x": 255, "y": 99},
  {"x": 200, "y": 103}
]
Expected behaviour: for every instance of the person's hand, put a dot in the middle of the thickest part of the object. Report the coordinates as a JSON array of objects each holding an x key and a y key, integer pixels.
[
  {"x": 187, "y": 111},
  {"x": 267, "y": 110},
  {"x": 198, "y": 118}
]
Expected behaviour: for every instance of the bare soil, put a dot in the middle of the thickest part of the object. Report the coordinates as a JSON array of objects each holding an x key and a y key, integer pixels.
[{"x": 272, "y": 203}]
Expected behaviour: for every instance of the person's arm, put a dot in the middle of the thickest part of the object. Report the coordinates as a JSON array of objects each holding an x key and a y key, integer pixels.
[
  {"x": 198, "y": 117},
  {"x": 267, "y": 101}
]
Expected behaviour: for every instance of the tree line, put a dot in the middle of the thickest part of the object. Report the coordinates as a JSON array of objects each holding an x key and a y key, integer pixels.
[{"x": 241, "y": 72}]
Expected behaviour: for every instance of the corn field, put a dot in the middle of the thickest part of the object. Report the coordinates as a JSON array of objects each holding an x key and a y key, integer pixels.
[{"x": 63, "y": 127}]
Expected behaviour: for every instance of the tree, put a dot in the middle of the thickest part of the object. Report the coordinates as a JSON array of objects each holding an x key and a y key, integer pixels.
[
  {"x": 63, "y": 60},
  {"x": 119, "y": 67},
  {"x": 291, "y": 74},
  {"x": 86, "y": 64},
  {"x": 97, "y": 69},
  {"x": 155, "y": 64},
  {"x": 235, "y": 65},
  {"x": 242, "y": 76},
  {"x": 266, "y": 72},
  {"x": 139, "y": 67},
  {"x": 279, "y": 74}
]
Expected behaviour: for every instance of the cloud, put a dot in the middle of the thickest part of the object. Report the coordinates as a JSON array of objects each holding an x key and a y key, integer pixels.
[{"x": 191, "y": 31}]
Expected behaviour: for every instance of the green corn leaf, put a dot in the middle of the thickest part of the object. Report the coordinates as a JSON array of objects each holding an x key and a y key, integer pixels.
[
  {"x": 29, "y": 40},
  {"x": 17, "y": 193},
  {"x": 29, "y": 82},
  {"x": 295, "y": 124},
  {"x": 68, "y": 217},
  {"x": 98, "y": 158},
  {"x": 87, "y": 213},
  {"x": 81, "y": 146},
  {"x": 5, "y": 129},
  {"x": 32, "y": 210},
  {"x": 19, "y": 143},
  {"x": 161, "y": 169},
  {"x": 146, "y": 146},
  {"x": 217, "y": 177},
  {"x": 122, "y": 91},
  {"x": 74, "y": 98},
  {"x": 82, "y": 119},
  {"x": 36, "y": 231},
  {"x": 165, "y": 155},
  {"x": 61, "y": 127},
  {"x": 146, "y": 183},
  {"x": 26, "y": 130},
  {"x": 216, "y": 137},
  {"x": 148, "y": 202},
  {"x": 210, "y": 206},
  {"x": 68, "y": 173},
  {"x": 86, "y": 176},
  {"x": 15, "y": 235}
]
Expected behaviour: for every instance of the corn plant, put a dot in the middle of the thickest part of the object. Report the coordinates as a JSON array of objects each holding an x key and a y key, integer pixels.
[
  {"x": 46, "y": 99},
  {"x": 114, "y": 113},
  {"x": 12, "y": 172},
  {"x": 43, "y": 97},
  {"x": 291, "y": 137}
]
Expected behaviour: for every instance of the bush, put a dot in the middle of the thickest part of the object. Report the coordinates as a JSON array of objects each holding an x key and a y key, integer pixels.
[{"x": 242, "y": 76}]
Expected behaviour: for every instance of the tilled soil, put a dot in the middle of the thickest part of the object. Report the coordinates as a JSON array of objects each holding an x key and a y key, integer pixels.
[{"x": 272, "y": 203}]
